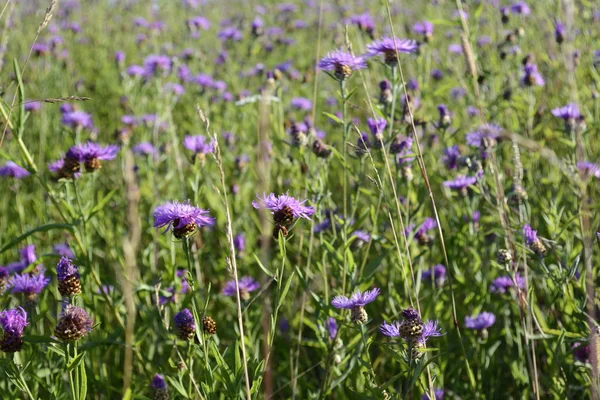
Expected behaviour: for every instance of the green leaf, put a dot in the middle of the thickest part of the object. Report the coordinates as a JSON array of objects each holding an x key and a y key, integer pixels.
[
  {"x": 100, "y": 205},
  {"x": 75, "y": 362},
  {"x": 39, "y": 339},
  {"x": 285, "y": 289},
  {"x": 83, "y": 382},
  {"x": 178, "y": 386},
  {"x": 260, "y": 264},
  {"x": 43, "y": 228},
  {"x": 333, "y": 117},
  {"x": 21, "y": 98}
]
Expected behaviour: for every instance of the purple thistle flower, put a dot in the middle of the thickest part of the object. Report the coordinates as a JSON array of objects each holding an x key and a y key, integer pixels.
[
  {"x": 230, "y": 33},
  {"x": 77, "y": 119},
  {"x": 365, "y": 23},
  {"x": 239, "y": 242},
  {"x": 437, "y": 273},
  {"x": 74, "y": 324},
  {"x": 155, "y": 63},
  {"x": 424, "y": 28},
  {"x": 136, "y": 71},
  {"x": 332, "y": 328},
  {"x": 390, "y": 330},
  {"x": 430, "y": 329},
  {"x": 438, "y": 393},
  {"x": 358, "y": 299},
  {"x": 455, "y": 48},
  {"x": 158, "y": 382},
  {"x": 559, "y": 32},
  {"x": 581, "y": 352},
  {"x": 520, "y": 8},
  {"x": 283, "y": 204},
  {"x": 182, "y": 218},
  {"x": 198, "y": 144},
  {"x": 31, "y": 106},
  {"x": 144, "y": 148},
  {"x": 198, "y": 23},
  {"x": 65, "y": 269},
  {"x": 301, "y": 103},
  {"x": 185, "y": 324},
  {"x": 13, "y": 170},
  {"x": 421, "y": 235},
  {"x": 92, "y": 153},
  {"x": 481, "y": 321},
  {"x": 530, "y": 234},
  {"x": 461, "y": 183},
  {"x": 451, "y": 157},
  {"x": 68, "y": 278},
  {"x": 342, "y": 63},
  {"x": 13, "y": 323},
  {"x": 361, "y": 236},
  {"x": 587, "y": 168},
  {"x": 63, "y": 250},
  {"x": 246, "y": 285},
  {"x": 530, "y": 76},
  {"x": 390, "y": 48},
  {"x": 503, "y": 283},
  {"x": 484, "y": 136},
  {"x": 376, "y": 126},
  {"x": 30, "y": 284},
  {"x": 568, "y": 112}
]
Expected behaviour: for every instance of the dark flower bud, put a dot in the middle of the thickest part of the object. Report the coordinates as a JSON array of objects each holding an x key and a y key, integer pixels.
[{"x": 209, "y": 325}]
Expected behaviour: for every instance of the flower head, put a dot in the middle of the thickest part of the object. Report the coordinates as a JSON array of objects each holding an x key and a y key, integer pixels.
[
  {"x": 30, "y": 284},
  {"x": 365, "y": 23},
  {"x": 461, "y": 183},
  {"x": 531, "y": 77},
  {"x": 158, "y": 382},
  {"x": 438, "y": 393},
  {"x": 451, "y": 157},
  {"x": 480, "y": 321},
  {"x": 143, "y": 148},
  {"x": 437, "y": 273},
  {"x": 568, "y": 112},
  {"x": 246, "y": 285},
  {"x": 77, "y": 119},
  {"x": 13, "y": 323},
  {"x": 376, "y": 126},
  {"x": 185, "y": 324},
  {"x": 390, "y": 48},
  {"x": 341, "y": 63},
  {"x": 63, "y": 250},
  {"x": 503, "y": 283},
  {"x": 530, "y": 234},
  {"x": 332, "y": 327},
  {"x": 301, "y": 103},
  {"x": 358, "y": 299},
  {"x": 284, "y": 208},
  {"x": 92, "y": 153},
  {"x": 199, "y": 145},
  {"x": 13, "y": 170},
  {"x": 520, "y": 8},
  {"x": 73, "y": 324},
  {"x": 182, "y": 218},
  {"x": 68, "y": 278},
  {"x": 485, "y": 135},
  {"x": 424, "y": 28}
]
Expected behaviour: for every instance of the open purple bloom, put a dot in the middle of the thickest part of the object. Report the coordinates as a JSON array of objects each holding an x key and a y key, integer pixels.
[
  {"x": 230, "y": 33},
  {"x": 185, "y": 324},
  {"x": 587, "y": 169},
  {"x": 77, "y": 119},
  {"x": 503, "y": 283},
  {"x": 390, "y": 48},
  {"x": 531, "y": 77},
  {"x": 239, "y": 242},
  {"x": 480, "y": 321},
  {"x": 65, "y": 269},
  {"x": 437, "y": 273},
  {"x": 30, "y": 284},
  {"x": 301, "y": 103},
  {"x": 361, "y": 236},
  {"x": 358, "y": 299},
  {"x": 395, "y": 329},
  {"x": 376, "y": 126},
  {"x": 155, "y": 63},
  {"x": 182, "y": 218},
  {"x": 451, "y": 157},
  {"x": 283, "y": 204},
  {"x": 424, "y": 28},
  {"x": 13, "y": 323},
  {"x": 530, "y": 234},
  {"x": 568, "y": 112},
  {"x": 484, "y": 135},
  {"x": 199, "y": 145},
  {"x": 341, "y": 63},
  {"x": 460, "y": 183},
  {"x": 136, "y": 71},
  {"x": 332, "y": 327},
  {"x": 63, "y": 250},
  {"x": 520, "y": 8},
  {"x": 364, "y": 22},
  {"x": 143, "y": 148},
  {"x": 13, "y": 170},
  {"x": 246, "y": 285}
]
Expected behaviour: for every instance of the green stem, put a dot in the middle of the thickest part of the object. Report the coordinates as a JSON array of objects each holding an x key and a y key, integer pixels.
[{"x": 345, "y": 183}]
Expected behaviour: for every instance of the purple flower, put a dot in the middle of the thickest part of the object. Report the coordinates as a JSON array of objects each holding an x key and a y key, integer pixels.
[
  {"x": 29, "y": 284},
  {"x": 63, "y": 250},
  {"x": 376, "y": 126},
  {"x": 136, "y": 71},
  {"x": 33, "y": 106},
  {"x": 332, "y": 327},
  {"x": 185, "y": 324},
  {"x": 361, "y": 236},
  {"x": 13, "y": 170},
  {"x": 484, "y": 135},
  {"x": 430, "y": 328},
  {"x": 13, "y": 323},
  {"x": 74, "y": 324},
  {"x": 283, "y": 207},
  {"x": 424, "y": 28},
  {"x": 421, "y": 234},
  {"x": 438, "y": 393},
  {"x": 581, "y": 352},
  {"x": 198, "y": 23},
  {"x": 358, "y": 299},
  {"x": 198, "y": 144},
  {"x": 230, "y": 34},
  {"x": 158, "y": 382},
  {"x": 483, "y": 41},
  {"x": 559, "y": 32},
  {"x": 364, "y": 22},
  {"x": 301, "y": 103},
  {"x": 246, "y": 285},
  {"x": 461, "y": 183},
  {"x": 481, "y": 321},
  {"x": 451, "y": 157},
  {"x": 530, "y": 235},
  {"x": 239, "y": 242},
  {"x": 342, "y": 63},
  {"x": 182, "y": 218},
  {"x": 503, "y": 283},
  {"x": 568, "y": 112},
  {"x": 437, "y": 75},
  {"x": 65, "y": 269},
  {"x": 437, "y": 273},
  {"x": 143, "y": 148},
  {"x": 455, "y": 48},
  {"x": 390, "y": 48},
  {"x": 77, "y": 119},
  {"x": 587, "y": 168},
  {"x": 530, "y": 76},
  {"x": 520, "y": 8},
  {"x": 156, "y": 63}
]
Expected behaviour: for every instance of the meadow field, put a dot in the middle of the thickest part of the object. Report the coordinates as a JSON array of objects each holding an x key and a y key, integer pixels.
[{"x": 303, "y": 199}]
